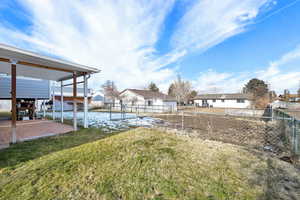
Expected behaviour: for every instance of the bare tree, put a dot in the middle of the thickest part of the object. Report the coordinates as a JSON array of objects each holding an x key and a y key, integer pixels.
[
  {"x": 171, "y": 90},
  {"x": 181, "y": 90},
  {"x": 110, "y": 91}
]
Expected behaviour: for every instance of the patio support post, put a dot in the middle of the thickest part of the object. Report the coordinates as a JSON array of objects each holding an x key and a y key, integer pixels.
[
  {"x": 53, "y": 103},
  {"x": 74, "y": 101},
  {"x": 14, "y": 102},
  {"x": 85, "y": 101},
  {"x": 61, "y": 102}
]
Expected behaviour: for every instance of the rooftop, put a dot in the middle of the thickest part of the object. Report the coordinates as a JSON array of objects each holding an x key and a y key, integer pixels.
[
  {"x": 148, "y": 94},
  {"x": 30, "y": 64}
]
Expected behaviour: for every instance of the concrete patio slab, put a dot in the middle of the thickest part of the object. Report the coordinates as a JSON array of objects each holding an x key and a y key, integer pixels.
[{"x": 29, "y": 130}]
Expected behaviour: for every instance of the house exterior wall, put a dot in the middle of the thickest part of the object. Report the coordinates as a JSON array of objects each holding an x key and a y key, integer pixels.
[
  {"x": 68, "y": 91},
  {"x": 68, "y": 105},
  {"x": 26, "y": 88},
  {"x": 68, "y": 97},
  {"x": 128, "y": 96},
  {"x": 228, "y": 103},
  {"x": 285, "y": 105},
  {"x": 157, "y": 104},
  {"x": 95, "y": 104},
  {"x": 172, "y": 104},
  {"x": 5, "y": 105}
]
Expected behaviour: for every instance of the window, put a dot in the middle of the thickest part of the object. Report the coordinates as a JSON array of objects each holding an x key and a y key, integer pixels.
[
  {"x": 240, "y": 100},
  {"x": 223, "y": 100},
  {"x": 214, "y": 100},
  {"x": 150, "y": 103}
]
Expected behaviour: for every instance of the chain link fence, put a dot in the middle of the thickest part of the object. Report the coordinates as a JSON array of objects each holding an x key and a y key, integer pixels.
[
  {"x": 274, "y": 131},
  {"x": 140, "y": 108}
]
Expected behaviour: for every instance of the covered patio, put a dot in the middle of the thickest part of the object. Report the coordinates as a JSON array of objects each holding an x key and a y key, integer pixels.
[{"x": 17, "y": 62}]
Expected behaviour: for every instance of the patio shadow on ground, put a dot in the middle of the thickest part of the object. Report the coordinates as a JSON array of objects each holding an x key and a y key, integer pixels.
[{"x": 25, "y": 151}]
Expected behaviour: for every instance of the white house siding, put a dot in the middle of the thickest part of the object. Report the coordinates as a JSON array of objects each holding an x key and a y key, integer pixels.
[
  {"x": 26, "y": 88},
  {"x": 171, "y": 104},
  {"x": 67, "y": 92},
  {"x": 5, "y": 105},
  {"x": 96, "y": 104},
  {"x": 286, "y": 105},
  {"x": 127, "y": 97},
  {"x": 141, "y": 104},
  {"x": 68, "y": 105},
  {"x": 228, "y": 103}
]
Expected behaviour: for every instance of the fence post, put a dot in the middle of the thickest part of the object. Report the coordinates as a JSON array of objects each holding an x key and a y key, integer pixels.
[
  {"x": 272, "y": 113},
  {"x": 182, "y": 120},
  {"x": 295, "y": 137},
  {"x": 121, "y": 111},
  {"x": 109, "y": 111}
]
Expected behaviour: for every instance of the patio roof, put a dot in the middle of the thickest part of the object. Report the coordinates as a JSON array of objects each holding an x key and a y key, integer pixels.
[
  {"x": 33, "y": 65},
  {"x": 18, "y": 62}
]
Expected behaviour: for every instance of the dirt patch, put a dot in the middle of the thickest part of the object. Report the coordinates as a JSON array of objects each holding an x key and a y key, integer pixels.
[
  {"x": 278, "y": 179},
  {"x": 271, "y": 136}
]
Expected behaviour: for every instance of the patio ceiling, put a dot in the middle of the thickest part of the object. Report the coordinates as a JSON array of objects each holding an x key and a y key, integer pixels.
[{"x": 32, "y": 65}]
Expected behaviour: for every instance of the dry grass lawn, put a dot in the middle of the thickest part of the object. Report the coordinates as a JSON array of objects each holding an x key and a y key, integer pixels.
[{"x": 141, "y": 164}]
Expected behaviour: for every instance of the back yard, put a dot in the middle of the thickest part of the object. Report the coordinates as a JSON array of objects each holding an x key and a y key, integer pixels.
[{"x": 141, "y": 164}]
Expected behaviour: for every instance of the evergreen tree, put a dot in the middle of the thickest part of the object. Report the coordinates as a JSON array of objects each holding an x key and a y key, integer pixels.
[
  {"x": 153, "y": 87},
  {"x": 257, "y": 87}
]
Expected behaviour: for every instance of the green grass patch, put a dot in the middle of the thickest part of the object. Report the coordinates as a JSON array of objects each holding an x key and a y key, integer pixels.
[
  {"x": 22, "y": 152},
  {"x": 137, "y": 164}
]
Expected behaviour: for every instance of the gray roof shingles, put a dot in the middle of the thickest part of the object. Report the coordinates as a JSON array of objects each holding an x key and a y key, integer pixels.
[{"x": 148, "y": 94}]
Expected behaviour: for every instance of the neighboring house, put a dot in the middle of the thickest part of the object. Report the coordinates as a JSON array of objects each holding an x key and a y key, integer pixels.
[
  {"x": 285, "y": 105},
  {"x": 148, "y": 100},
  {"x": 27, "y": 90},
  {"x": 290, "y": 98},
  {"x": 68, "y": 98},
  {"x": 97, "y": 101},
  {"x": 236, "y": 100}
]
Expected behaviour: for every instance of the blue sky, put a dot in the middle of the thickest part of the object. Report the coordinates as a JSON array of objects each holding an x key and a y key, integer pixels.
[{"x": 217, "y": 45}]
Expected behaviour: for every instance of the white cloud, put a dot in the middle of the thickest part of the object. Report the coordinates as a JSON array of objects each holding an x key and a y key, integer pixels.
[
  {"x": 281, "y": 74},
  {"x": 209, "y": 22},
  {"x": 212, "y": 81},
  {"x": 120, "y": 38},
  {"x": 116, "y": 36}
]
